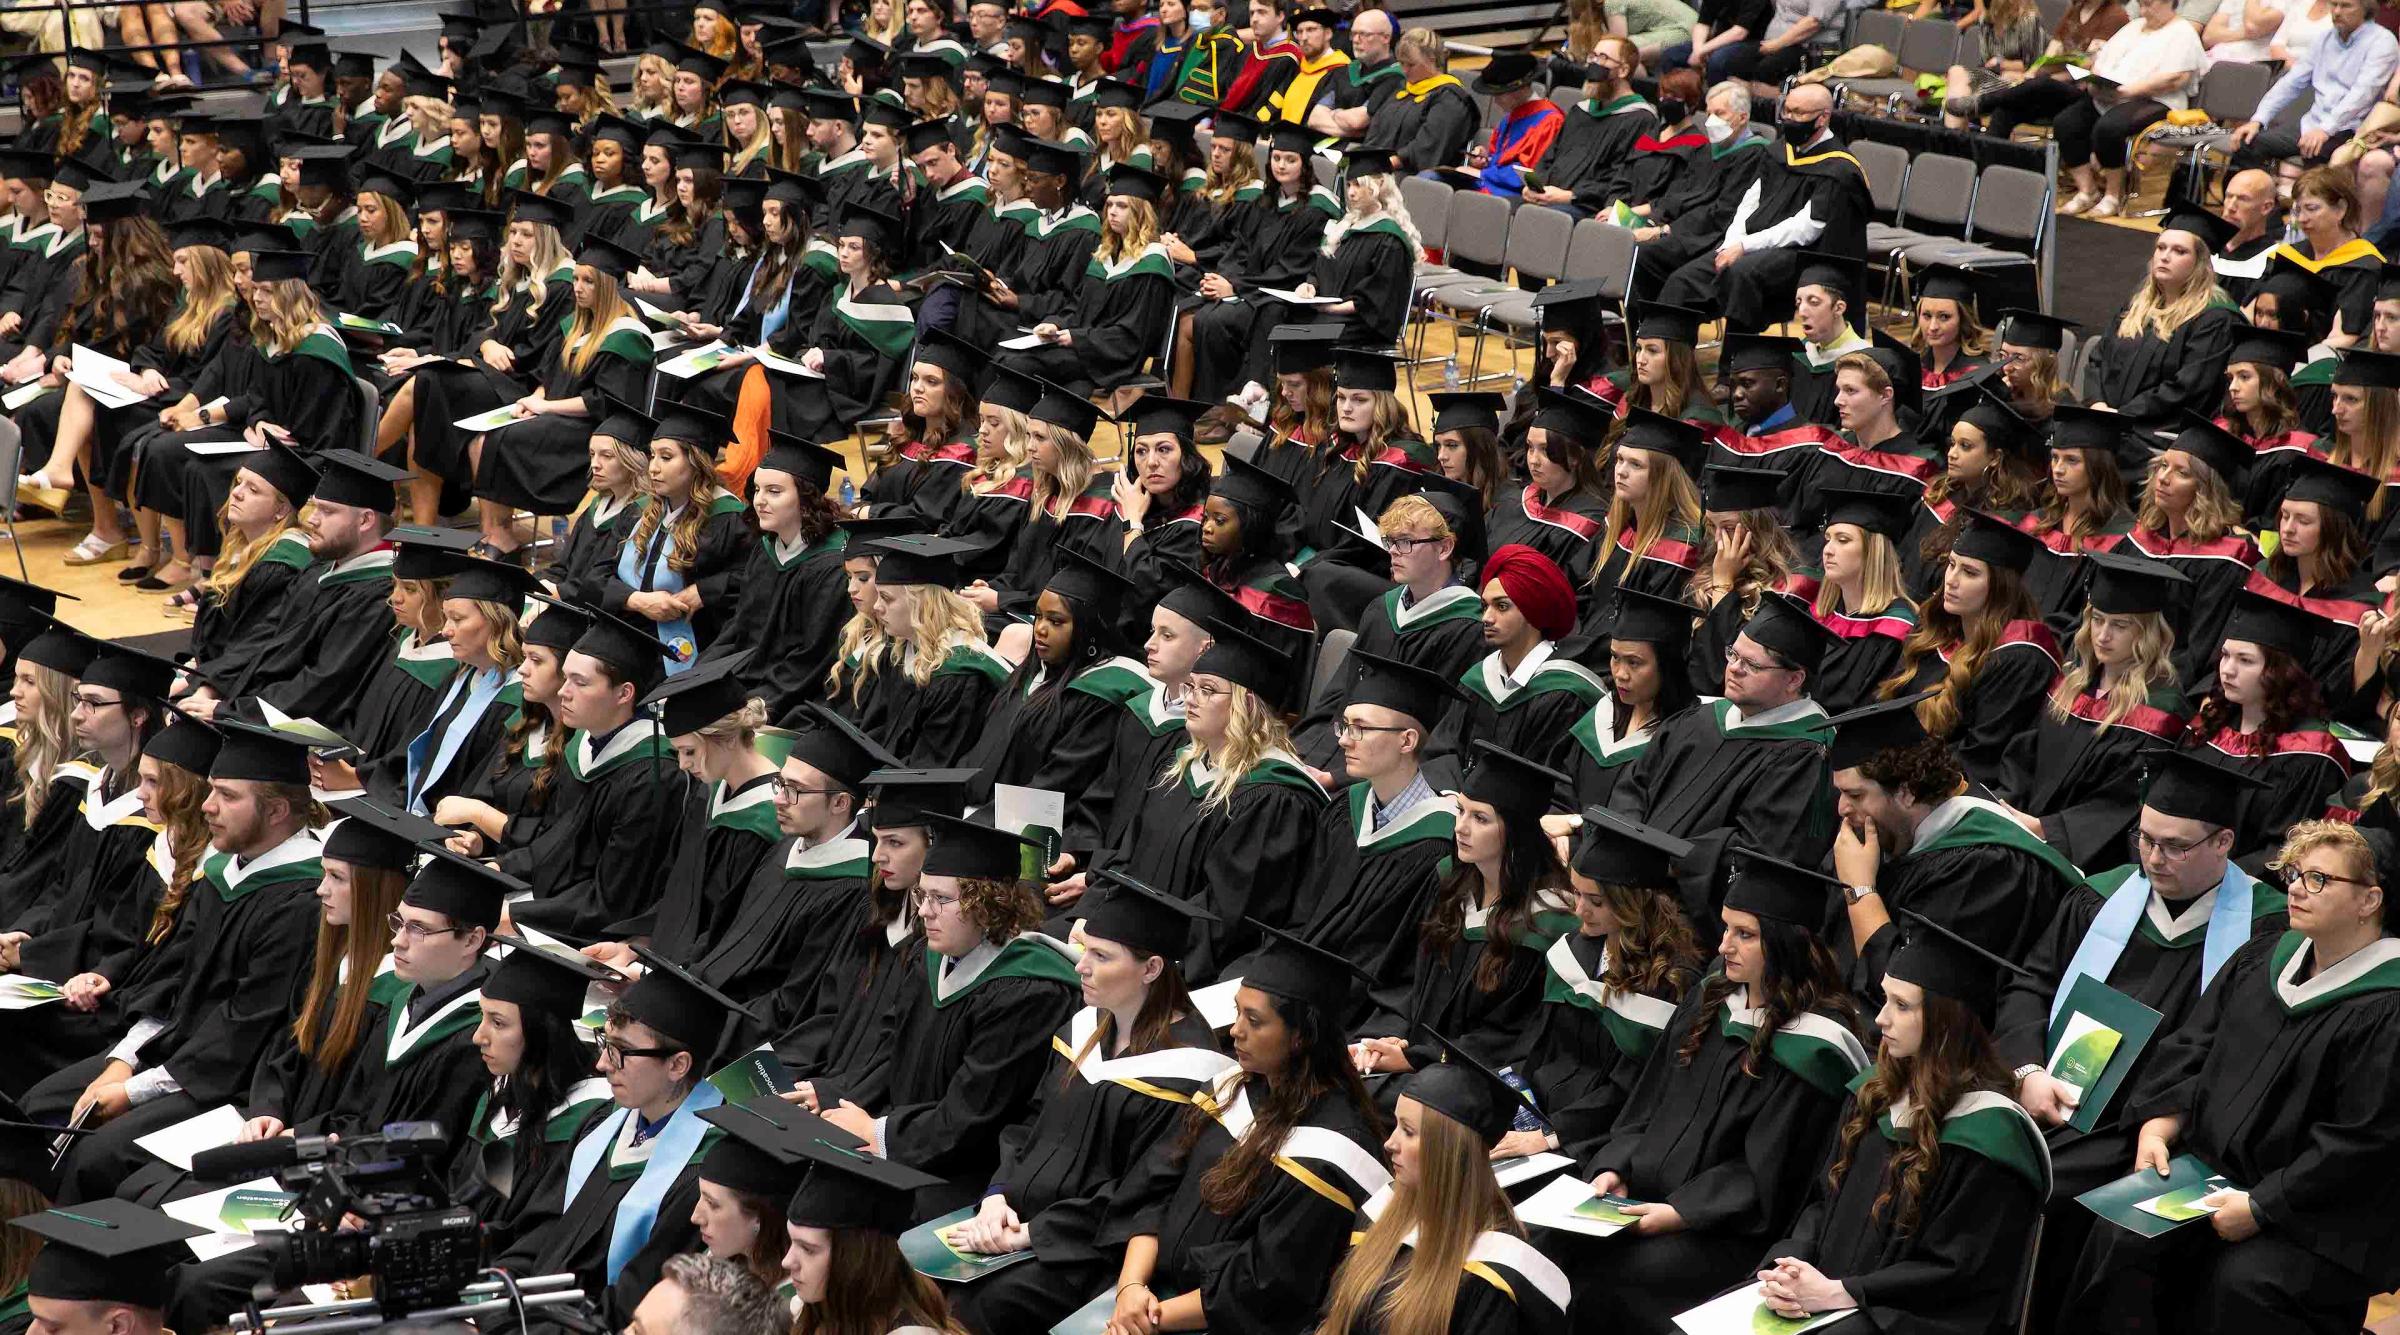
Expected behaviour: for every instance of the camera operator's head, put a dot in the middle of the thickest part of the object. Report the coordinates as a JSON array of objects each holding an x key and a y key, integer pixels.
[
  {"x": 698, "y": 1294},
  {"x": 103, "y": 1268},
  {"x": 257, "y": 790},
  {"x": 446, "y": 919},
  {"x": 660, "y": 1036}
]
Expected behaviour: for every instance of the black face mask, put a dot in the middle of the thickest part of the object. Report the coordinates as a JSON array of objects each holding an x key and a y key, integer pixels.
[
  {"x": 1796, "y": 133},
  {"x": 1672, "y": 110}
]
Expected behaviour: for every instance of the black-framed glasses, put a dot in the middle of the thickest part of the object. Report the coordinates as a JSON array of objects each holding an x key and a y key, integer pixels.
[
  {"x": 92, "y": 702},
  {"x": 1344, "y": 729},
  {"x": 790, "y": 791},
  {"x": 2173, "y": 850},
  {"x": 1735, "y": 661},
  {"x": 1402, "y": 545},
  {"x": 2316, "y": 881},
  {"x": 416, "y": 931},
  {"x": 614, "y": 1053}
]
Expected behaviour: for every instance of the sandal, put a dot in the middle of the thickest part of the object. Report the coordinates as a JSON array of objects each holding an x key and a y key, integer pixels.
[
  {"x": 33, "y": 490},
  {"x": 184, "y": 604},
  {"x": 145, "y": 560},
  {"x": 96, "y": 550}
]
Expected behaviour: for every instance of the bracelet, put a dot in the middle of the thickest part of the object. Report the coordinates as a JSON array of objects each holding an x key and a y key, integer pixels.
[{"x": 1131, "y": 1284}]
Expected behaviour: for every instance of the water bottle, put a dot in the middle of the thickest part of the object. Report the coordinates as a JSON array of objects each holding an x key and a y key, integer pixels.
[{"x": 849, "y": 493}]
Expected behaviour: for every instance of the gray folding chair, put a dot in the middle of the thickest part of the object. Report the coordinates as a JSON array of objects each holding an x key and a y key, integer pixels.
[
  {"x": 2011, "y": 205},
  {"x": 1331, "y": 653},
  {"x": 1538, "y": 240},
  {"x": 1478, "y": 234},
  {"x": 1940, "y": 192},
  {"x": 1927, "y": 46}
]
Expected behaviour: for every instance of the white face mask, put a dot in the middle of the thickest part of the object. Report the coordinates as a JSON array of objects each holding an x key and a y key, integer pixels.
[
  {"x": 1718, "y": 130},
  {"x": 1203, "y": 18}
]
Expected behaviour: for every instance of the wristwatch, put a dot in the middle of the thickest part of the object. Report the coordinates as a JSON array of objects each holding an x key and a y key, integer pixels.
[
  {"x": 1851, "y": 894},
  {"x": 2023, "y": 1071}
]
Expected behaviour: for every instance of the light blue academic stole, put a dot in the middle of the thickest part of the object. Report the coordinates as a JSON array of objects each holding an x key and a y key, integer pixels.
[
  {"x": 429, "y": 755},
  {"x": 2228, "y": 930},
  {"x": 649, "y": 572},
  {"x": 670, "y": 1150}
]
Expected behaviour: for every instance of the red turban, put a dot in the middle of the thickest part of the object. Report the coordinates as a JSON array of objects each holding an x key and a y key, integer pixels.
[{"x": 1535, "y": 584}]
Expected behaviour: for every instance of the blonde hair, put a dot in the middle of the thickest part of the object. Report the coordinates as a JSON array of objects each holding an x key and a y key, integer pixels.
[
  {"x": 1011, "y": 444},
  {"x": 662, "y": 73},
  {"x": 1142, "y": 229},
  {"x": 242, "y": 551},
  {"x": 591, "y": 326},
  {"x": 291, "y": 311},
  {"x": 208, "y": 295},
  {"x": 44, "y": 738},
  {"x": 430, "y": 115},
  {"x": 1386, "y": 204},
  {"x": 1074, "y": 473},
  {"x": 1427, "y": 45},
  {"x": 1672, "y": 502},
  {"x": 395, "y": 221},
  {"x": 2308, "y": 836},
  {"x": 1772, "y": 559},
  {"x": 2380, "y": 450},
  {"x": 939, "y": 621},
  {"x": 2152, "y": 666},
  {"x": 1130, "y": 138},
  {"x": 548, "y": 254},
  {"x": 1454, "y": 1200},
  {"x": 1880, "y": 584},
  {"x": 1252, "y": 731},
  {"x": 507, "y": 632},
  {"x": 756, "y": 146},
  {"x": 1412, "y": 510},
  {"x": 2159, "y": 315},
  {"x": 742, "y": 724},
  {"x": 2213, "y": 514}
]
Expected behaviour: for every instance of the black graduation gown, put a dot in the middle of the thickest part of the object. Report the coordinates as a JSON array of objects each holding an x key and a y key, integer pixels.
[
  {"x": 1165, "y": 543},
  {"x": 1043, "y": 273},
  {"x": 2216, "y": 570},
  {"x": 790, "y": 614},
  {"x": 864, "y": 337},
  {"x": 345, "y": 606},
  {"x": 1597, "y": 755},
  {"x": 1370, "y": 888},
  {"x": 920, "y": 480},
  {"x": 1441, "y": 633},
  {"x": 1117, "y": 324},
  {"x": 543, "y": 464},
  {"x": 1265, "y": 1268},
  {"x": 1442, "y": 995},
  {"x": 1974, "y": 871},
  {"x": 1864, "y": 651},
  {"x": 1566, "y": 529},
  {"x": 1954, "y": 1272},
  {"x": 794, "y": 911},
  {"x": 724, "y": 835},
  {"x": 871, "y": 969},
  {"x": 965, "y": 1062},
  {"x": 720, "y": 557},
  {"x": 2304, "y": 770},
  {"x": 1059, "y": 743},
  {"x": 2003, "y": 701},
  {"x": 36, "y": 861},
  {"x": 2284, "y": 1083},
  {"x": 516, "y": 1186},
  {"x": 1245, "y": 858},
  {"x": 1148, "y": 735},
  {"x": 935, "y": 724},
  {"x": 99, "y": 896},
  {"x": 398, "y": 700},
  {"x": 1427, "y": 125},
  {"x": 1264, "y": 243},
  {"x": 597, "y": 853},
  {"x": 1765, "y": 782},
  {"x": 2153, "y": 380},
  {"x": 449, "y": 391},
  {"x": 1589, "y": 1043},
  {"x": 588, "y": 559},
  {"x": 1532, "y": 718},
  {"x": 2071, "y": 772},
  {"x": 575, "y": 1239},
  {"x": 1734, "y": 1153}
]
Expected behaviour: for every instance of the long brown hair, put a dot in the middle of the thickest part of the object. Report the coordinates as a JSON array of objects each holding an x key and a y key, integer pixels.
[
  {"x": 1954, "y": 1059},
  {"x": 1653, "y": 950},
  {"x": 2106, "y": 500},
  {"x": 2292, "y": 697},
  {"x": 209, "y": 295},
  {"x": 685, "y": 550},
  {"x": 1166, "y": 1001},
  {"x": 17, "y": 1250},
  {"x": 345, "y": 966},
  {"x": 1529, "y": 866},
  {"x": 126, "y": 291},
  {"x": 869, "y": 1288},
  {"x": 180, "y": 793},
  {"x": 1801, "y": 977},
  {"x": 1319, "y": 1065},
  {"x": 1938, "y": 629}
]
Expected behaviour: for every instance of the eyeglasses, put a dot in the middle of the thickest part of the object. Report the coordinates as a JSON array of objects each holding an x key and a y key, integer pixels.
[
  {"x": 416, "y": 931},
  {"x": 2316, "y": 881},
  {"x": 1735, "y": 662},
  {"x": 1344, "y": 729},
  {"x": 1402, "y": 546},
  {"x": 82, "y": 701},
  {"x": 2173, "y": 850},
  {"x": 929, "y": 903},
  {"x": 614, "y": 1053},
  {"x": 789, "y": 791},
  {"x": 1194, "y": 688}
]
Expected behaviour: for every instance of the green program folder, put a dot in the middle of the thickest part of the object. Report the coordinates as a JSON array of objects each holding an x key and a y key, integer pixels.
[
  {"x": 2147, "y": 1205},
  {"x": 930, "y": 1254},
  {"x": 2096, "y": 1038}
]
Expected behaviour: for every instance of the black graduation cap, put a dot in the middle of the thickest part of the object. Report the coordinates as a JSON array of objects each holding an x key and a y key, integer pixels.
[
  {"x": 2215, "y": 233},
  {"x": 106, "y": 1251},
  {"x": 831, "y": 104},
  {"x": 23, "y": 604},
  {"x": 371, "y": 834},
  {"x": 417, "y": 81},
  {"x": 347, "y": 477},
  {"x": 1757, "y": 352},
  {"x": 1045, "y": 157},
  {"x": 1648, "y": 618},
  {"x": 526, "y": 206},
  {"x": 1870, "y": 730},
  {"x": 1244, "y": 659},
  {"x": 1672, "y": 324},
  {"x": 544, "y": 979},
  {"x": 1948, "y": 282},
  {"x": 607, "y": 256},
  {"x": 280, "y": 266},
  {"x": 1043, "y": 93},
  {"x": 742, "y": 92},
  {"x": 690, "y": 701},
  {"x": 1301, "y": 348},
  {"x": 1288, "y": 967},
  {"x": 2329, "y": 484},
  {"x": 927, "y": 67},
  {"x": 557, "y": 625},
  {"x": 79, "y": 176},
  {"x": 670, "y": 1001},
  {"x": 1787, "y": 626},
  {"x": 919, "y": 559},
  {"x": 2074, "y": 427},
  {"x": 2004, "y": 429},
  {"x": 483, "y": 580},
  {"x": 186, "y": 743},
  {"x": 1189, "y": 595},
  {"x": 972, "y": 851},
  {"x": 1680, "y": 441},
  {"x": 1370, "y": 369},
  {"x": 1902, "y": 367},
  {"x": 1506, "y": 72},
  {"x": 892, "y": 116},
  {"x": 128, "y": 671},
  {"x": 633, "y": 650},
  {"x": 1874, "y": 511},
  {"x": 2192, "y": 785},
  {"x": 869, "y": 224},
  {"x": 326, "y": 165},
  {"x": 797, "y": 193},
  {"x": 1143, "y": 919},
  {"x": 476, "y": 225},
  {"x": 428, "y": 553},
  {"x": 1461, "y": 505},
  {"x": 903, "y": 797},
  {"x": 1947, "y": 964},
  {"x": 624, "y": 133},
  {"x": 813, "y": 465},
  {"x": 833, "y": 746},
  {"x": 460, "y": 25},
  {"x": 1456, "y": 411},
  {"x": 62, "y": 649},
  {"x": 2281, "y": 349},
  {"x": 398, "y": 189},
  {"x": 747, "y": 197},
  {"x": 848, "y": 1189},
  {"x": 1996, "y": 542},
  {"x": 315, "y": 55},
  {"x": 1575, "y": 414},
  {"x": 200, "y": 232},
  {"x": 460, "y": 888},
  {"x": 2304, "y": 300},
  {"x": 927, "y": 134},
  {"x": 248, "y": 751},
  {"x": 626, "y": 424},
  {"x": 1010, "y": 388},
  {"x": 19, "y": 164},
  {"x": 754, "y": 1157},
  {"x": 1360, "y": 160},
  {"x": 2032, "y": 329},
  {"x": 954, "y": 355},
  {"x": 2365, "y": 369},
  {"x": 692, "y": 425},
  {"x": 693, "y": 155},
  {"x": 2269, "y": 624},
  {"x": 1063, "y": 408},
  {"x": 1093, "y": 586},
  {"x": 2387, "y": 283},
  {"x": 1245, "y": 483},
  {"x": 1467, "y": 1092},
  {"x": 1518, "y": 788},
  {"x": 1136, "y": 182},
  {"x": 1773, "y": 888},
  {"x": 2123, "y": 584},
  {"x": 692, "y": 60},
  {"x": 2225, "y": 453},
  {"x": 1729, "y": 490},
  {"x": 1403, "y": 688},
  {"x": 115, "y": 201},
  {"x": 1619, "y": 850},
  {"x": 866, "y": 53},
  {"x": 1157, "y": 414}
]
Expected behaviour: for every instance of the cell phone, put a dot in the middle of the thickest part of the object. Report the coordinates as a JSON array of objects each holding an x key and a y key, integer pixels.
[{"x": 1534, "y": 181}]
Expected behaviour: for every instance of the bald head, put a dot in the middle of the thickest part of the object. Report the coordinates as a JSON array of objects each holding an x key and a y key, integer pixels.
[
  {"x": 1807, "y": 101},
  {"x": 2249, "y": 203},
  {"x": 1371, "y": 36}
]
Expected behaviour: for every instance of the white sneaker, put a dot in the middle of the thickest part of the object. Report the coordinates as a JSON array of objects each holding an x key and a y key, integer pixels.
[
  {"x": 2108, "y": 207},
  {"x": 2079, "y": 204}
]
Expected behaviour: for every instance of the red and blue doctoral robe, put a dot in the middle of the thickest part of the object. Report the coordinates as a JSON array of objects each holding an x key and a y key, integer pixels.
[{"x": 1519, "y": 142}]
